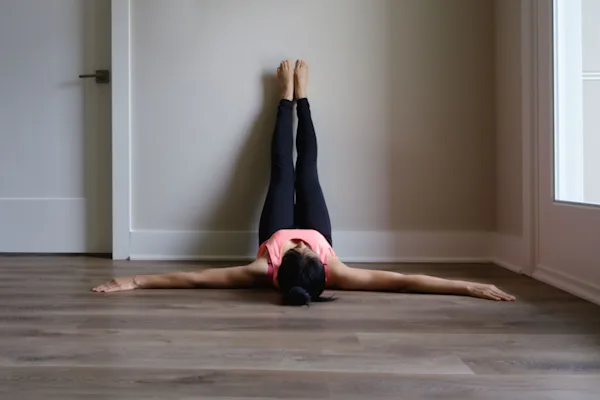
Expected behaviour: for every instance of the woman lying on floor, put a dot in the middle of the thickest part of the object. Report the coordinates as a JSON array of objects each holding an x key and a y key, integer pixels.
[{"x": 295, "y": 253}]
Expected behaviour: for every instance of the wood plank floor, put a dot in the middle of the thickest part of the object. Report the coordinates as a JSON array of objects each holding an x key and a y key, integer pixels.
[{"x": 58, "y": 340}]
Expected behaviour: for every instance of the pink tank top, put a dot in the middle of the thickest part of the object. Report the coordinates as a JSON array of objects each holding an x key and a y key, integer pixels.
[{"x": 314, "y": 239}]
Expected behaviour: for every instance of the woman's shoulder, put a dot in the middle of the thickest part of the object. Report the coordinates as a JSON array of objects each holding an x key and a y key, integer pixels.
[
  {"x": 334, "y": 264},
  {"x": 333, "y": 261},
  {"x": 259, "y": 266},
  {"x": 261, "y": 261}
]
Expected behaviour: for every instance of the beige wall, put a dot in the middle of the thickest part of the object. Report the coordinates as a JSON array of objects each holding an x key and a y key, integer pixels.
[
  {"x": 402, "y": 93},
  {"x": 443, "y": 116},
  {"x": 509, "y": 148}
]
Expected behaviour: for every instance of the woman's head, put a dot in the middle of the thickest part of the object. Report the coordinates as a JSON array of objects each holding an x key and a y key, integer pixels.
[{"x": 301, "y": 277}]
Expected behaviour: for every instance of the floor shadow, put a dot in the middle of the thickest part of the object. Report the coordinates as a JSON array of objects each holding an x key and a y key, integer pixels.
[
  {"x": 244, "y": 192},
  {"x": 255, "y": 296}
]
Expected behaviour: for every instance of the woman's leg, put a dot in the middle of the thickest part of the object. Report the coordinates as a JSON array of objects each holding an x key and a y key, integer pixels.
[
  {"x": 278, "y": 210},
  {"x": 311, "y": 209}
]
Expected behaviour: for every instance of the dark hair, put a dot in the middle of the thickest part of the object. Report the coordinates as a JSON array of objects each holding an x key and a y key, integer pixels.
[{"x": 301, "y": 278}]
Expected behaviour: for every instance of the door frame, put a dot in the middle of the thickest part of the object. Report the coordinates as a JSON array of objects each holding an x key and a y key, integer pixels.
[
  {"x": 121, "y": 127},
  {"x": 544, "y": 112},
  {"x": 540, "y": 110},
  {"x": 531, "y": 113}
]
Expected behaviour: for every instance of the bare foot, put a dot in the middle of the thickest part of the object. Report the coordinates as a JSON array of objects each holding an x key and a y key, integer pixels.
[
  {"x": 301, "y": 79},
  {"x": 285, "y": 76}
]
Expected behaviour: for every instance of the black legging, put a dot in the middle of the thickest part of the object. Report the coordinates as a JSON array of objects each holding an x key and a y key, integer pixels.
[{"x": 309, "y": 210}]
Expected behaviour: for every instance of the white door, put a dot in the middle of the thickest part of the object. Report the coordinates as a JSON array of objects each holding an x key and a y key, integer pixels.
[
  {"x": 569, "y": 145},
  {"x": 55, "y": 180}
]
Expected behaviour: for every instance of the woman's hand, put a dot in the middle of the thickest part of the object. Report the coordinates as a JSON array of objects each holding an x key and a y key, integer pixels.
[
  {"x": 117, "y": 285},
  {"x": 489, "y": 292}
]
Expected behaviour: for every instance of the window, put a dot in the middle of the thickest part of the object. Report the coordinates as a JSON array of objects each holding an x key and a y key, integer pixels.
[{"x": 577, "y": 101}]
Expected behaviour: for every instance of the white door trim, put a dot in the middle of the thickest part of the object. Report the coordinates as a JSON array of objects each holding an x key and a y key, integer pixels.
[
  {"x": 121, "y": 127},
  {"x": 529, "y": 129}
]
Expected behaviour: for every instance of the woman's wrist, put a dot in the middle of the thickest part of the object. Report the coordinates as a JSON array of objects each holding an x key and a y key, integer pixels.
[
  {"x": 464, "y": 288},
  {"x": 136, "y": 282}
]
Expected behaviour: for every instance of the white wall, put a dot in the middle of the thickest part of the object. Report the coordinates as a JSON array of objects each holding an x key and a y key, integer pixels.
[
  {"x": 508, "y": 244},
  {"x": 443, "y": 115},
  {"x": 509, "y": 163},
  {"x": 402, "y": 96}
]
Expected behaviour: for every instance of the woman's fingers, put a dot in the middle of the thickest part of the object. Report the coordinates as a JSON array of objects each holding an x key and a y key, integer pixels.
[
  {"x": 489, "y": 294},
  {"x": 503, "y": 295},
  {"x": 99, "y": 288},
  {"x": 110, "y": 286},
  {"x": 117, "y": 285}
]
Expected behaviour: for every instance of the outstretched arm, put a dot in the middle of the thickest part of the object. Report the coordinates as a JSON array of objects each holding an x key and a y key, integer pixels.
[
  {"x": 347, "y": 278},
  {"x": 250, "y": 275}
]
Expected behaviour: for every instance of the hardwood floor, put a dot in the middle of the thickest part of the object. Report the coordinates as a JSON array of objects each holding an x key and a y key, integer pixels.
[{"x": 58, "y": 340}]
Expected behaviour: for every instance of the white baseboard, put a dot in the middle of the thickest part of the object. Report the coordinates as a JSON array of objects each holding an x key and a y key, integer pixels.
[
  {"x": 351, "y": 246},
  {"x": 508, "y": 265},
  {"x": 578, "y": 287}
]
